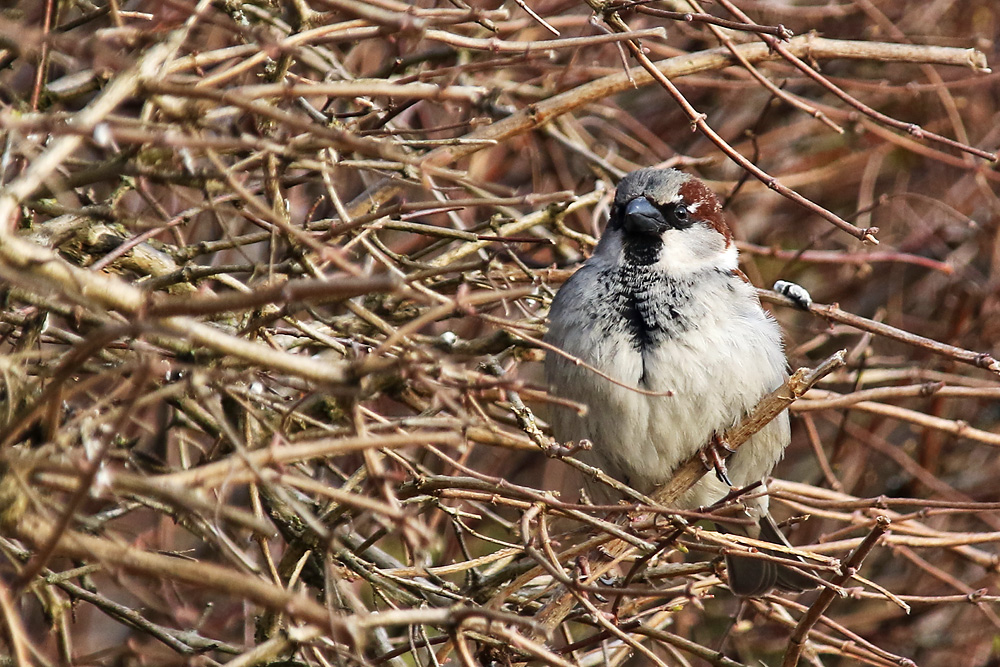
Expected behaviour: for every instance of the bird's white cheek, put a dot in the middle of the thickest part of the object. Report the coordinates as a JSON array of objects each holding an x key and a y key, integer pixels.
[{"x": 695, "y": 249}]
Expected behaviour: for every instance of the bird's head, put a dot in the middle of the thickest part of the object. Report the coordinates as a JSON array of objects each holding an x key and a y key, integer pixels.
[{"x": 670, "y": 219}]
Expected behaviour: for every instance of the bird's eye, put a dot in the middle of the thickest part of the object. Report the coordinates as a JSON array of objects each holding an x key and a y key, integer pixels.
[{"x": 681, "y": 213}]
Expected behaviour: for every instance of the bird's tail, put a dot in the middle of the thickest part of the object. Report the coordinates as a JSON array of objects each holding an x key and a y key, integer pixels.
[{"x": 751, "y": 577}]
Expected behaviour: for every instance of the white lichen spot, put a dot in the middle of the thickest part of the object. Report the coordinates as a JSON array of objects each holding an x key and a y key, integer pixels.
[{"x": 797, "y": 293}]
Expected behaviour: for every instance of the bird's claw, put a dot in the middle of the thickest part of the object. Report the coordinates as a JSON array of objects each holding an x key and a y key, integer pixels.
[{"x": 713, "y": 457}]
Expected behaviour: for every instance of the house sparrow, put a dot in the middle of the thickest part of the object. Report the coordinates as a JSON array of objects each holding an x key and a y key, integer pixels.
[{"x": 662, "y": 306}]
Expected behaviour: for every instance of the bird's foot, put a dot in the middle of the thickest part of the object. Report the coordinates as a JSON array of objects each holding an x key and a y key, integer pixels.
[{"x": 713, "y": 457}]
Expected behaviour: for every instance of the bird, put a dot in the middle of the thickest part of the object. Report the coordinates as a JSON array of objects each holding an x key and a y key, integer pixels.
[{"x": 661, "y": 306}]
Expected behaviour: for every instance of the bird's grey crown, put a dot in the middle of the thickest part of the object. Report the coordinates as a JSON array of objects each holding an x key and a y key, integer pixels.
[{"x": 660, "y": 186}]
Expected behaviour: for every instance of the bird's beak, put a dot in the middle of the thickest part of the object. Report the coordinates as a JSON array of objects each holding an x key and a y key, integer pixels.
[{"x": 641, "y": 217}]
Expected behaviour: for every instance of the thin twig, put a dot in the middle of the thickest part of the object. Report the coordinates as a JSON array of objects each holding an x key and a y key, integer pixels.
[{"x": 797, "y": 641}]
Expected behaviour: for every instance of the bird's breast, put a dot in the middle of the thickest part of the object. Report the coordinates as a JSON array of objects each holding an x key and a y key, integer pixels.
[
  {"x": 647, "y": 307},
  {"x": 704, "y": 340}
]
